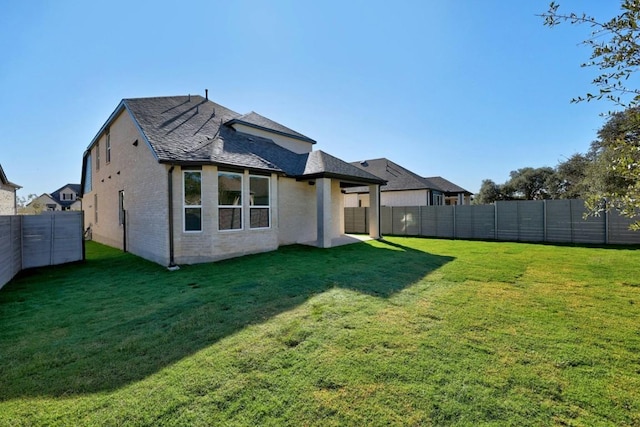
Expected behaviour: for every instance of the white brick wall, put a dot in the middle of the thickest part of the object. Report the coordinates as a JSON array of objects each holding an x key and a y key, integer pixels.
[
  {"x": 135, "y": 170},
  {"x": 7, "y": 200}
]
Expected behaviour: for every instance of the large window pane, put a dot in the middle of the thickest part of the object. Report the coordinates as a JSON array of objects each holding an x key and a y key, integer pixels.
[
  {"x": 259, "y": 218},
  {"x": 230, "y": 218},
  {"x": 229, "y": 189},
  {"x": 192, "y": 189},
  {"x": 229, "y": 196},
  {"x": 193, "y": 219},
  {"x": 192, "y": 200},
  {"x": 259, "y": 191}
]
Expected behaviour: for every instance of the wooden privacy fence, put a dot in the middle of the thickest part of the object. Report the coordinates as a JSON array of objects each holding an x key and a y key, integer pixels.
[
  {"x": 39, "y": 240},
  {"x": 558, "y": 221}
]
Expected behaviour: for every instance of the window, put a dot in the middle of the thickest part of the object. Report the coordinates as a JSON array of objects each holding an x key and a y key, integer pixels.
[
  {"x": 87, "y": 175},
  {"x": 259, "y": 213},
  {"x": 97, "y": 156},
  {"x": 192, "y": 200},
  {"x": 67, "y": 196},
  {"x": 95, "y": 208},
  {"x": 229, "y": 201},
  {"x": 121, "y": 207},
  {"x": 108, "y": 147}
]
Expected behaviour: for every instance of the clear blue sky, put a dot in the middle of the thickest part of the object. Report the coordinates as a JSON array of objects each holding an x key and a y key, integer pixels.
[{"x": 466, "y": 90}]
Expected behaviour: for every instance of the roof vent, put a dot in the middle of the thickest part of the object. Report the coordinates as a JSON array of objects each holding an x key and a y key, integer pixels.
[
  {"x": 364, "y": 163},
  {"x": 206, "y": 94}
]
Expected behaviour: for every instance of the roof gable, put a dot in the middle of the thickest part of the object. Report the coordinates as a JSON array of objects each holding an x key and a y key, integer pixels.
[
  {"x": 56, "y": 195},
  {"x": 258, "y": 121},
  {"x": 445, "y": 185},
  {"x": 5, "y": 181}
]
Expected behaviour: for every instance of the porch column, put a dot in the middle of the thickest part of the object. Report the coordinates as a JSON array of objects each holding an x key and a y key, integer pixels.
[
  {"x": 374, "y": 211},
  {"x": 323, "y": 193}
]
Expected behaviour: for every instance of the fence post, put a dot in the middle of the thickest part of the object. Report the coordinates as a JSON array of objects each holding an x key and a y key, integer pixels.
[
  {"x": 606, "y": 224},
  {"x": 455, "y": 220},
  {"x": 495, "y": 220},
  {"x": 571, "y": 220},
  {"x": 544, "y": 220}
]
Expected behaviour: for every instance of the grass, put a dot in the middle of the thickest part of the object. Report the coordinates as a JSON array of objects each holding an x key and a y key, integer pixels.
[{"x": 398, "y": 332}]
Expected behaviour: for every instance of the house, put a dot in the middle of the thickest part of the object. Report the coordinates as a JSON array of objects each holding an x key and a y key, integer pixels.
[
  {"x": 181, "y": 180},
  {"x": 65, "y": 198},
  {"x": 405, "y": 188},
  {"x": 8, "y": 198}
]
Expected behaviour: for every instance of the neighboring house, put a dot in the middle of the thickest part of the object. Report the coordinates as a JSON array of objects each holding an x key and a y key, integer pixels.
[
  {"x": 405, "y": 188},
  {"x": 182, "y": 179},
  {"x": 8, "y": 198},
  {"x": 66, "y": 198}
]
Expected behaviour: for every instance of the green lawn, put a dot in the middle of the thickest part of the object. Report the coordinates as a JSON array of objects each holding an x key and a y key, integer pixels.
[{"x": 399, "y": 332}]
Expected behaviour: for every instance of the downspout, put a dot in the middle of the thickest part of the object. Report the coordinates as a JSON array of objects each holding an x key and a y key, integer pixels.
[{"x": 172, "y": 263}]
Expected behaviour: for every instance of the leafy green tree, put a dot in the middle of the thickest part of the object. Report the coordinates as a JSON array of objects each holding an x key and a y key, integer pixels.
[
  {"x": 489, "y": 193},
  {"x": 529, "y": 183},
  {"x": 613, "y": 175},
  {"x": 615, "y": 52},
  {"x": 570, "y": 178}
]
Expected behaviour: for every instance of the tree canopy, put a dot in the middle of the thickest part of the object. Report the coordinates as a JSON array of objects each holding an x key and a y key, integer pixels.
[{"x": 612, "y": 177}]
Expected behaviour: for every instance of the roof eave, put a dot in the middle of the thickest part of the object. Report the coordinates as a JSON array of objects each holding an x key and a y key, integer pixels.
[
  {"x": 341, "y": 177},
  {"x": 121, "y": 107},
  {"x": 220, "y": 164}
]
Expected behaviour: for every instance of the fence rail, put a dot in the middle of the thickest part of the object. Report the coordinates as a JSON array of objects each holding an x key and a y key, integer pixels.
[
  {"x": 557, "y": 221},
  {"x": 39, "y": 240}
]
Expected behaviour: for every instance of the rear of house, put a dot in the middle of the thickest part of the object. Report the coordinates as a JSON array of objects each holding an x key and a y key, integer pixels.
[{"x": 185, "y": 180}]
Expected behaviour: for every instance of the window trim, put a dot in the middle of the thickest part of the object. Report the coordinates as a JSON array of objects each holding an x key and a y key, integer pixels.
[
  {"x": 185, "y": 206},
  {"x": 267, "y": 207},
  {"x": 240, "y": 206}
]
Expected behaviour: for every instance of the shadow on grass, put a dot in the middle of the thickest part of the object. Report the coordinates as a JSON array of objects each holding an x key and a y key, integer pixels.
[{"x": 117, "y": 318}]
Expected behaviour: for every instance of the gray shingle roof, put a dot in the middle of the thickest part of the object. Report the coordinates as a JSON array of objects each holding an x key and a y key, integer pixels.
[
  {"x": 397, "y": 177},
  {"x": 256, "y": 120},
  {"x": 445, "y": 185},
  {"x": 56, "y": 194},
  {"x": 400, "y": 178},
  {"x": 193, "y": 130}
]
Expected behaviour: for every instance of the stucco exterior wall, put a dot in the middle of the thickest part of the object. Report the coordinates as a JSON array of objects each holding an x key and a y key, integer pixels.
[
  {"x": 297, "y": 214},
  {"x": 134, "y": 170},
  {"x": 7, "y": 200},
  {"x": 293, "y": 144}
]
